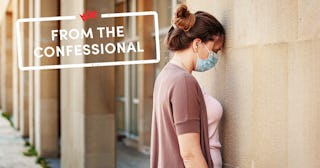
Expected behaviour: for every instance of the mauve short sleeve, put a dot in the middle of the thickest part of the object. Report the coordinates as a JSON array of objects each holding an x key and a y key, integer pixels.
[
  {"x": 184, "y": 99},
  {"x": 178, "y": 108}
]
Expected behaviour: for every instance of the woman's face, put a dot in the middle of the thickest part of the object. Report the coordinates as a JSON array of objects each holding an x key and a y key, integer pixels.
[{"x": 213, "y": 45}]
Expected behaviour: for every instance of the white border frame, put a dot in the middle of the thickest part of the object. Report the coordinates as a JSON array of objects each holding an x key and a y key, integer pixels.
[{"x": 96, "y": 64}]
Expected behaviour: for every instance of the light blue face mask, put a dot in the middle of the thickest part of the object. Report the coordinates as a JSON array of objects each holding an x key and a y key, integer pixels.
[{"x": 204, "y": 65}]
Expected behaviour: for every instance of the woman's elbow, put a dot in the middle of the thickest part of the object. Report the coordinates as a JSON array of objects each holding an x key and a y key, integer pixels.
[{"x": 188, "y": 155}]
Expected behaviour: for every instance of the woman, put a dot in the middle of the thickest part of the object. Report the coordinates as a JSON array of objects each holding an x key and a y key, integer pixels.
[{"x": 179, "y": 135}]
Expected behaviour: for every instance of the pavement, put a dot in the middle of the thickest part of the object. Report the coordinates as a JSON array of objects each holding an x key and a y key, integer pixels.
[
  {"x": 128, "y": 157},
  {"x": 12, "y": 148}
]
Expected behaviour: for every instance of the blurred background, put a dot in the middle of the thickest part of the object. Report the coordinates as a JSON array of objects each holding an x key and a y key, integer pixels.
[{"x": 267, "y": 80}]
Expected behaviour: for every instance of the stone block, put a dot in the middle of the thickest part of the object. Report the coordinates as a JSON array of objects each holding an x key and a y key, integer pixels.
[
  {"x": 309, "y": 16},
  {"x": 303, "y": 104}
]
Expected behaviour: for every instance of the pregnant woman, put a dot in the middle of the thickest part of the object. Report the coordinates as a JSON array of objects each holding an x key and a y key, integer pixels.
[{"x": 179, "y": 133}]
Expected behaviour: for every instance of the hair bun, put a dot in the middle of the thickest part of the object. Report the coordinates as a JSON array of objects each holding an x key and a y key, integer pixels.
[{"x": 183, "y": 18}]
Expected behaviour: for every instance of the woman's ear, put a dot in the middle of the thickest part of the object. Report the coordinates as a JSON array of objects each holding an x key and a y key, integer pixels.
[{"x": 195, "y": 44}]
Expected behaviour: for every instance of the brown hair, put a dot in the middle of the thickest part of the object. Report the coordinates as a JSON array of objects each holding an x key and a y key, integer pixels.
[{"x": 188, "y": 26}]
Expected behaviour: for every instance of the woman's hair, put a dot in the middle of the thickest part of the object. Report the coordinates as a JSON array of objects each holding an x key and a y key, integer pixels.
[{"x": 187, "y": 26}]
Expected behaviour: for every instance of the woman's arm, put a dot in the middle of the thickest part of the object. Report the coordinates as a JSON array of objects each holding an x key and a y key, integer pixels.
[{"x": 190, "y": 150}]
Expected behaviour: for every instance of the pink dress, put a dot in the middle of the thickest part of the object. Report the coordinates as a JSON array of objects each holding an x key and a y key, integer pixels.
[{"x": 214, "y": 110}]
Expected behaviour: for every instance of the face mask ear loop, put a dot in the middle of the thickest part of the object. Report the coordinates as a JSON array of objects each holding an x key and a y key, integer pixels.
[
  {"x": 197, "y": 53},
  {"x": 207, "y": 48}
]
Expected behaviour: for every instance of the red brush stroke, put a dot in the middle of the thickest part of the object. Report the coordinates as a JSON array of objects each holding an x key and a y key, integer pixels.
[{"x": 89, "y": 15}]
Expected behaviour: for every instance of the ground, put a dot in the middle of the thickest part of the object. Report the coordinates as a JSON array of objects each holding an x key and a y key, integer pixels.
[{"x": 12, "y": 147}]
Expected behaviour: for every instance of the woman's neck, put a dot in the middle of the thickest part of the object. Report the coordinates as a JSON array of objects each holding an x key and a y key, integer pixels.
[{"x": 184, "y": 60}]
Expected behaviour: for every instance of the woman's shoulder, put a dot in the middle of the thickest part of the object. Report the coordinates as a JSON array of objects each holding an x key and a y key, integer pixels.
[
  {"x": 176, "y": 74},
  {"x": 173, "y": 78}
]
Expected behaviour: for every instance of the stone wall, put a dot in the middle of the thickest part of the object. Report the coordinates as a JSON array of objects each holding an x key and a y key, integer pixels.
[{"x": 267, "y": 81}]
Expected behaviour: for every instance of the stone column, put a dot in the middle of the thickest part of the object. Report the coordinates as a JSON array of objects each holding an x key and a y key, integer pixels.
[
  {"x": 145, "y": 75},
  {"x": 72, "y": 95},
  {"x": 46, "y": 84},
  {"x": 24, "y": 75},
  {"x": 1, "y": 48},
  {"x": 4, "y": 9},
  {"x": 15, "y": 72},
  {"x": 1, "y": 64},
  {"x": 31, "y": 75},
  {"x": 100, "y": 100},
  {"x": 6, "y": 66},
  {"x": 87, "y": 96}
]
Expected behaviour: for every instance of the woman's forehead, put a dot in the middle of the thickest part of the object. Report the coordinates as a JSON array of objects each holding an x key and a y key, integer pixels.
[{"x": 218, "y": 38}]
